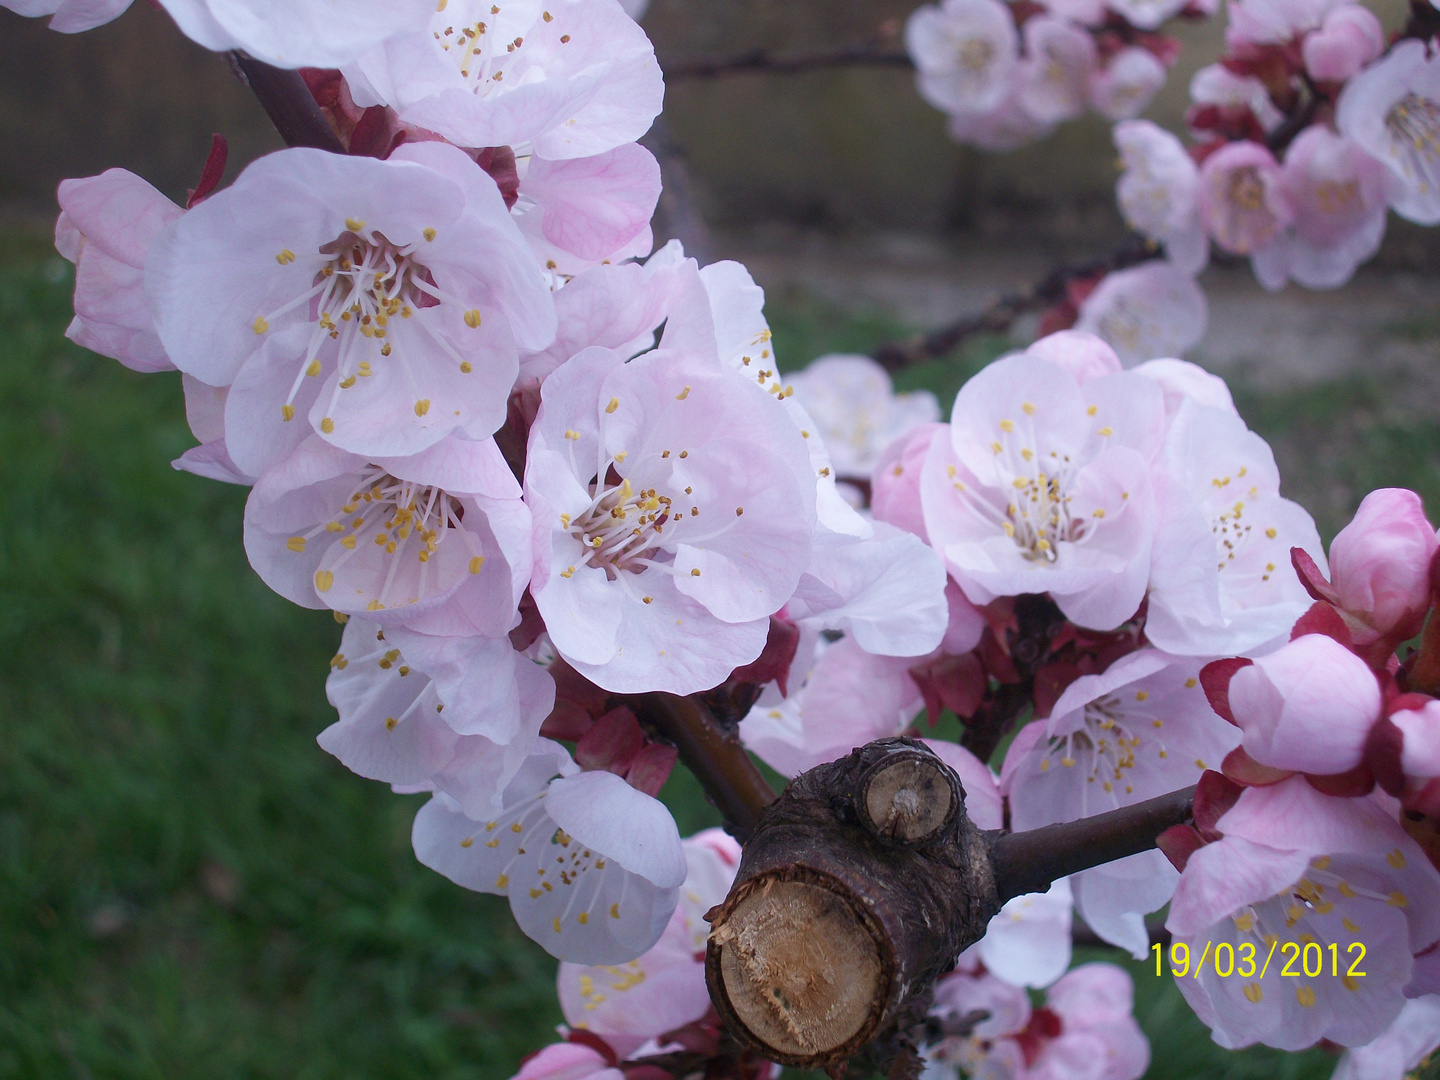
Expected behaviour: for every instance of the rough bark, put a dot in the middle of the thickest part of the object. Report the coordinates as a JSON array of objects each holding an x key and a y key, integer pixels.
[{"x": 861, "y": 885}]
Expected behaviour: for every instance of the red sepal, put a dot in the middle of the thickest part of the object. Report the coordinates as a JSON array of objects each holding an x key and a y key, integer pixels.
[
  {"x": 1215, "y": 794},
  {"x": 1215, "y": 681},
  {"x": 500, "y": 163},
  {"x": 594, "y": 1042},
  {"x": 1383, "y": 747},
  {"x": 1321, "y": 618},
  {"x": 1315, "y": 582},
  {"x": 1352, "y": 784},
  {"x": 1246, "y": 771},
  {"x": 651, "y": 768},
  {"x": 957, "y": 683},
  {"x": 611, "y": 743},
  {"x": 1178, "y": 843},
  {"x": 211, "y": 174},
  {"x": 773, "y": 663}
]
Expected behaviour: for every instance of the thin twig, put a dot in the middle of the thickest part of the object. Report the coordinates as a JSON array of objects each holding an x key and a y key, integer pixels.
[
  {"x": 760, "y": 61},
  {"x": 1001, "y": 315},
  {"x": 731, "y": 780},
  {"x": 289, "y": 104},
  {"x": 1029, "y": 861}
]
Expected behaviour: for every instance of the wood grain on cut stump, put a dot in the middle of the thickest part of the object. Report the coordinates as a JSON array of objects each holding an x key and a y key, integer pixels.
[
  {"x": 801, "y": 967},
  {"x": 860, "y": 884}
]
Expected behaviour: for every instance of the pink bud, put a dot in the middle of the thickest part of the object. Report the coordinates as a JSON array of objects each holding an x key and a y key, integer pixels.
[
  {"x": 567, "y": 1061},
  {"x": 1420, "y": 752},
  {"x": 1349, "y": 39},
  {"x": 1308, "y": 706},
  {"x": 1380, "y": 562}
]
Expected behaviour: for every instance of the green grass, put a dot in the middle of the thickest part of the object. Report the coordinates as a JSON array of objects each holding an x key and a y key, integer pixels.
[{"x": 189, "y": 886}]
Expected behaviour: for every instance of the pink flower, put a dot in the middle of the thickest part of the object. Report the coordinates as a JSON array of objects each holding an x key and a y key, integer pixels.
[
  {"x": 106, "y": 227},
  {"x": 1274, "y": 22},
  {"x": 348, "y": 287},
  {"x": 567, "y": 78},
  {"x": 964, "y": 51},
  {"x": 663, "y": 989},
  {"x": 1007, "y": 126},
  {"x": 582, "y": 212},
  {"x": 1220, "y": 575},
  {"x": 1295, "y": 866},
  {"x": 1027, "y": 942},
  {"x": 1380, "y": 563},
  {"x": 1084, "y": 1031},
  {"x": 1348, "y": 39},
  {"x": 70, "y": 16},
  {"x": 1127, "y": 83},
  {"x": 591, "y": 866},
  {"x": 439, "y": 542},
  {"x": 1338, "y": 194},
  {"x": 1242, "y": 202},
  {"x": 1157, "y": 192},
  {"x": 417, "y": 709},
  {"x": 1146, "y": 14},
  {"x": 1140, "y": 729},
  {"x": 1182, "y": 381},
  {"x": 1083, "y": 354},
  {"x": 1308, "y": 706},
  {"x": 669, "y": 524},
  {"x": 1420, "y": 748},
  {"x": 1148, "y": 311},
  {"x": 1216, "y": 85},
  {"x": 569, "y": 1061},
  {"x": 853, "y": 401},
  {"x": 1392, "y": 111},
  {"x": 1043, "y": 486},
  {"x": 1400, "y": 1049},
  {"x": 1055, "y": 70},
  {"x": 895, "y": 483}
]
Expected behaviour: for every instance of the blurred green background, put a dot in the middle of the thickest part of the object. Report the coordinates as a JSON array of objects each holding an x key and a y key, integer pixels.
[{"x": 189, "y": 886}]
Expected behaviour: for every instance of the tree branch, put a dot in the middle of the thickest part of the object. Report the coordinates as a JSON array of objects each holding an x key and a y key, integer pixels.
[
  {"x": 760, "y": 61},
  {"x": 1029, "y": 861},
  {"x": 289, "y": 104},
  {"x": 1001, "y": 315},
  {"x": 731, "y": 780}
]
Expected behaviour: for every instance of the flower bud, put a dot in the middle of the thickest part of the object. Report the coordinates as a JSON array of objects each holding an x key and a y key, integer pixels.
[
  {"x": 1380, "y": 562},
  {"x": 1349, "y": 39},
  {"x": 1307, "y": 706}
]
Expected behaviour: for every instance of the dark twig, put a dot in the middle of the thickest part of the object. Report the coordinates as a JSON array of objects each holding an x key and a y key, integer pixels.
[
  {"x": 760, "y": 61},
  {"x": 730, "y": 779},
  {"x": 1001, "y": 315},
  {"x": 1299, "y": 118},
  {"x": 1029, "y": 861},
  {"x": 289, "y": 104}
]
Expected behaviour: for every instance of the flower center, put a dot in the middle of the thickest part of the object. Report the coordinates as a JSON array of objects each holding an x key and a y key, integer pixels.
[
  {"x": 364, "y": 287},
  {"x": 976, "y": 54},
  {"x": 622, "y": 528},
  {"x": 403, "y": 519},
  {"x": 1104, "y": 748},
  {"x": 1414, "y": 126}
]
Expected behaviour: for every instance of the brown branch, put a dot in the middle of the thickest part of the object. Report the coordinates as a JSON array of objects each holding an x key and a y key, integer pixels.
[
  {"x": 1029, "y": 861},
  {"x": 289, "y": 104},
  {"x": 730, "y": 779},
  {"x": 758, "y": 61},
  {"x": 1001, "y": 315}
]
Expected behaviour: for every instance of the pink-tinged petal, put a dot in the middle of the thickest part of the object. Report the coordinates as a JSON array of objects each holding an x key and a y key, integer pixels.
[
  {"x": 72, "y": 16},
  {"x": 592, "y": 207},
  {"x": 1092, "y": 994},
  {"x": 1223, "y": 877},
  {"x": 295, "y": 33},
  {"x": 1348, "y": 39},
  {"x": 117, "y": 212},
  {"x": 1084, "y": 356},
  {"x": 212, "y": 461},
  {"x": 1242, "y": 201},
  {"x": 1027, "y": 943},
  {"x": 889, "y": 592},
  {"x": 204, "y": 408},
  {"x": 1180, "y": 380},
  {"x": 567, "y": 1061},
  {"x": 462, "y": 466},
  {"x": 895, "y": 482},
  {"x": 1152, "y": 310},
  {"x": 1411, "y": 1038},
  {"x": 1113, "y": 899},
  {"x": 1421, "y": 730},
  {"x": 1308, "y": 706},
  {"x": 1293, "y": 815},
  {"x": 965, "y": 52},
  {"x": 602, "y": 811}
]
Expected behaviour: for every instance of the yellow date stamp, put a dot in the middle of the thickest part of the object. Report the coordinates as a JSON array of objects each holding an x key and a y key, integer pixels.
[{"x": 1295, "y": 959}]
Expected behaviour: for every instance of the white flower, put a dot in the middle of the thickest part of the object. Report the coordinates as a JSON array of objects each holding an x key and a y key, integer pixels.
[
  {"x": 669, "y": 524},
  {"x": 1127, "y": 83},
  {"x": 1157, "y": 192},
  {"x": 1027, "y": 942},
  {"x": 1392, "y": 111},
  {"x": 1221, "y": 582},
  {"x": 856, "y": 410},
  {"x": 69, "y": 16},
  {"x": 349, "y": 288},
  {"x": 295, "y": 33},
  {"x": 1055, "y": 70},
  {"x": 439, "y": 542},
  {"x": 1139, "y": 730},
  {"x": 1146, "y": 14},
  {"x": 564, "y": 78},
  {"x": 965, "y": 51},
  {"x": 1148, "y": 311},
  {"x": 1043, "y": 486},
  {"x": 591, "y": 866}
]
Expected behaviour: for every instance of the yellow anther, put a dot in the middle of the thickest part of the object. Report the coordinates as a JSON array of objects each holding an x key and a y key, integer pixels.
[
  {"x": 296, "y": 543},
  {"x": 1253, "y": 993},
  {"x": 1029, "y": 409},
  {"x": 1305, "y": 996},
  {"x": 1142, "y": 695},
  {"x": 327, "y": 425},
  {"x": 287, "y": 413},
  {"x": 1107, "y": 431},
  {"x": 613, "y": 405},
  {"x": 683, "y": 394},
  {"x": 422, "y": 406},
  {"x": 1396, "y": 858},
  {"x": 286, "y": 257},
  {"x": 614, "y": 908},
  {"x": 354, "y": 224},
  {"x": 1092, "y": 410},
  {"x": 472, "y": 318},
  {"x": 1397, "y": 899},
  {"x": 260, "y": 325},
  {"x": 476, "y": 562},
  {"x": 429, "y": 234},
  {"x": 695, "y": 571},
  {"x": 1007, "y": 425},
  {"x": 324, "y": 579}
]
